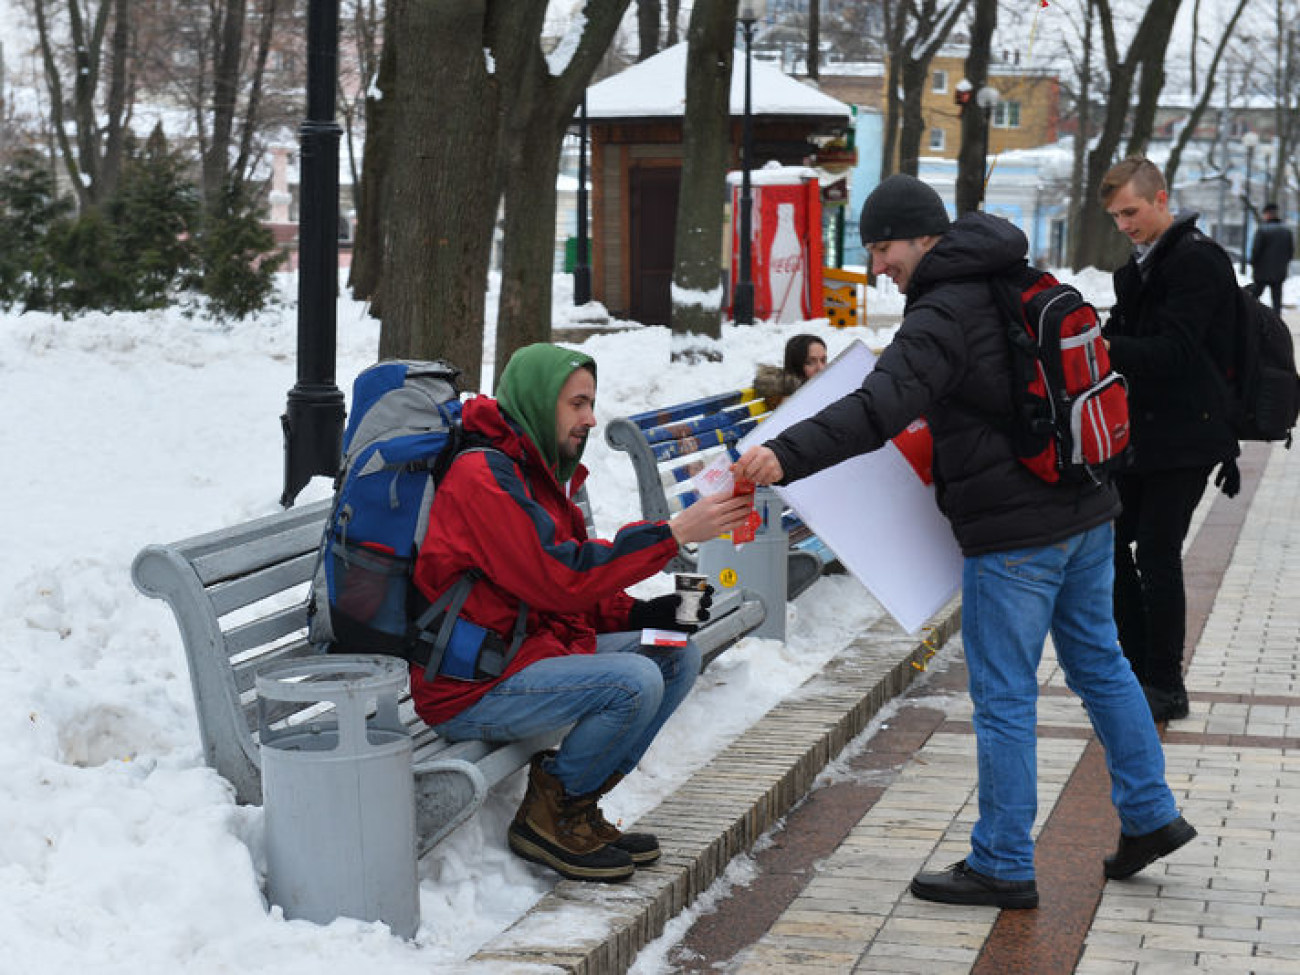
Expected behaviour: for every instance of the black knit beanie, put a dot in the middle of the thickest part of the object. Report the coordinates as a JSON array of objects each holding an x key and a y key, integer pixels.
[{"x": 900, "y": 208}]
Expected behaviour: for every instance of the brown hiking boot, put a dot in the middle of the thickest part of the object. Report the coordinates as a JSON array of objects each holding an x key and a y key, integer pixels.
[
  {"x": 643, "y": 848},
  {"x": 556, "y": 830}
]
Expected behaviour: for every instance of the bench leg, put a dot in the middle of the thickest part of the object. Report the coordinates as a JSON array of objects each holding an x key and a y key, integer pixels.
[{"x": 446, "y": 794}]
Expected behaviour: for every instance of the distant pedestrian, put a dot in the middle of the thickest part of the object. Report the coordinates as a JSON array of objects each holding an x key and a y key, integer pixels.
[
  {"x": 1037, "y": 556},
  {"x": 1167, "y": 333},
  {"x": 1270, "y": 255}
]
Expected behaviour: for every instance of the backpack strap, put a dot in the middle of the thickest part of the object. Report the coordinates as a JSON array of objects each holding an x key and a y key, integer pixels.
[{"x": 431, "y": 632}]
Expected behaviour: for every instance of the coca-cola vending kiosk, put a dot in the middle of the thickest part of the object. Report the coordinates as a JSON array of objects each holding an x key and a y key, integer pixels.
[{"x": 785, "y": 243}]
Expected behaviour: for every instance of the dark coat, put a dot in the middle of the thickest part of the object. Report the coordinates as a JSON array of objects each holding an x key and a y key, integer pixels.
[
  {"x": 1270, "y": 255},
  {"x": 1168, "y": 332},
  {"x": 950, "y": 363}
]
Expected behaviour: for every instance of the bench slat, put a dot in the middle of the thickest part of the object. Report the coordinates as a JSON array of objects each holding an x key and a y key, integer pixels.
[
  {"x": 236, "y": 536},
  {"x": 707, "y": 404},
  {"x": 224, "y": 564},
  {"x": 266, "y": 630},
  {"x": 256, "y": 586}
]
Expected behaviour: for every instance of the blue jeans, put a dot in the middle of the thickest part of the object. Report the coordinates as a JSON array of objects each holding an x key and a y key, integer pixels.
[
  {"x": 616, "y": 699},
  {"x": 1010, "y": 601}
]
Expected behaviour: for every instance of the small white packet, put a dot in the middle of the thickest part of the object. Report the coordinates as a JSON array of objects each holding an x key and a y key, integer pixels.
[
  {"x": 715, "y": 478},
  {"x": 663, "y": 638}
]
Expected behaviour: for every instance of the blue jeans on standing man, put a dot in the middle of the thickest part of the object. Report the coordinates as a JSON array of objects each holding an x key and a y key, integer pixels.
[
  {"x": 617, "y": 699},
  {"x": 1010, "y": 602}
]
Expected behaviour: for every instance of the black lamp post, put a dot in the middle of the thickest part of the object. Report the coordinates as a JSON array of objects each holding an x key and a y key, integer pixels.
[
  {"x": 313, "y": 419},
  {"x": 743, "y": 305},
  {"x": 582, "y": 262},
  {"x": 1250, "y": 140},
  {"x": 987, "y": 99}
]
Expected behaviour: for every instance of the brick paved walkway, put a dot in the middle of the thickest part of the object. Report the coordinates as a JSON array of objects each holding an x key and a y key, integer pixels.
[{"x": 829, "y": 889}]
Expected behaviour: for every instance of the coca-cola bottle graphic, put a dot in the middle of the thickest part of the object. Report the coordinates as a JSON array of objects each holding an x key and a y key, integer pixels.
[{"x": 785, "y": 268}]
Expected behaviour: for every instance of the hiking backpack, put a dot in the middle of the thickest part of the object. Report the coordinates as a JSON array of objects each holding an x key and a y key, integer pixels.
[
  {"x": 1265, "y": 389},
  {"x": 402, "y": 435},
  {"x": 1071, "y": 409}
]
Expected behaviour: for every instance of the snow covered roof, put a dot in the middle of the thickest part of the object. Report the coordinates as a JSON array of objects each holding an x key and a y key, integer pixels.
[{"x": 656, "y": 88}]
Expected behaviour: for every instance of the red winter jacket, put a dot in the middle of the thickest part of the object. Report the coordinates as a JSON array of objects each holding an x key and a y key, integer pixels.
[{"x": 503, "y": 512}]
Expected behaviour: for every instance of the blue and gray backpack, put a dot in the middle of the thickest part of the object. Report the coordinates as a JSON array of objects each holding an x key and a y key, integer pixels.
[{"x": 403, "y": 433}]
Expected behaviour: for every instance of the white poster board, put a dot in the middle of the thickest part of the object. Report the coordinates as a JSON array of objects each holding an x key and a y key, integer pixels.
[{"x": 873, "y": 510}]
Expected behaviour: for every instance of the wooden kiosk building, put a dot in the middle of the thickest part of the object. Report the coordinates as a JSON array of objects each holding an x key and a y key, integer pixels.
[{"x": 635, "y": 126}]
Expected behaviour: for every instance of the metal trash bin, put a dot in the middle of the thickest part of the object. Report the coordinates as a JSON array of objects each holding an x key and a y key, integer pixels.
[{"x": 338, "y": 793}]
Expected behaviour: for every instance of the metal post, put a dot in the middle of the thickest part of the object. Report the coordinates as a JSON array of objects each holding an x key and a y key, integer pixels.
[
  {"x": 313, "y": 419},
  {"x": 1245, "y": 207},
  {"x": 744, "y": 302},
  {"x": 582, "y": 262}
]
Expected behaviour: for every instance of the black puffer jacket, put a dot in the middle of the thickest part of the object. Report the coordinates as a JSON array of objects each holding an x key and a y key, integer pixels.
[
  {"x": 949, "y": 363},
  {"x": 1167, "y": 332}
]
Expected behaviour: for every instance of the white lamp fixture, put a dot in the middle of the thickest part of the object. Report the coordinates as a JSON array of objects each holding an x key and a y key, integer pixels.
[{"x": 752, "y": 10}]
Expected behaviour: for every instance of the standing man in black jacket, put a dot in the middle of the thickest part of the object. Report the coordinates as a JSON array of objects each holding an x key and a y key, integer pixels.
[
  {"x": 1170, "y": 328},
  {"x": 1270, "y": 256},
  {"x": 1038, "y": 556}
]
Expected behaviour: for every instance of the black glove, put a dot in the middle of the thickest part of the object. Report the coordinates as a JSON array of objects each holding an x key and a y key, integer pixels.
[
  {"x": 1228, "y": 480},
  {"x": 660, "y": 613}
]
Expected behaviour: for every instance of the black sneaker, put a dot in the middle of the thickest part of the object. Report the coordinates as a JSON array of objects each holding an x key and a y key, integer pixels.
[
  {"x": 959, "y": 884},
  {"x": 1136, "y": 852}
]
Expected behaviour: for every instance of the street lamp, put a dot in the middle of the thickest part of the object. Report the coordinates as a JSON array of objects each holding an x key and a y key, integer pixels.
[
  {"x": 743, "y": 305},
  {"x": 313, "y": 419},
  {"x": 581, "y": 262},
  {"x": 987, "y": 99},
  {"x": 1250, "y": 140}
]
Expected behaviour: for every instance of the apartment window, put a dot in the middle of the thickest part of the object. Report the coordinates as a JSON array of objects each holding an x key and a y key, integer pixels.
[
  {"x": 936, "y": 140},
  {"x": 1006, "y": 115},
  {"x": 940, "y": 82}
]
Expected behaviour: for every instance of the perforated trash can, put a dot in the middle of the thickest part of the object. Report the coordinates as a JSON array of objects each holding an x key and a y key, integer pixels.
[{"x": 338, "y": 792}]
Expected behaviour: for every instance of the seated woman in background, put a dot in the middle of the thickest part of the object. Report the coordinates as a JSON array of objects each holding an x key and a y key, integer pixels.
[{"x": 805, "y": 357}]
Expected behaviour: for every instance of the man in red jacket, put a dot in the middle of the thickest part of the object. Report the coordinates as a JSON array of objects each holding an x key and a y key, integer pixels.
[{"x": 504, "y": 512}]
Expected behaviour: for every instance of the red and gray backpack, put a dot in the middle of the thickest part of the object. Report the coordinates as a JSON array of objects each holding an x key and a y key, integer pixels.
[{"x": 1071, "y": 409}]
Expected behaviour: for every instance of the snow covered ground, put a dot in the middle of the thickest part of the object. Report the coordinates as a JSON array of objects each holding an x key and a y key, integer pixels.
[{"x": 120, "y": 851}]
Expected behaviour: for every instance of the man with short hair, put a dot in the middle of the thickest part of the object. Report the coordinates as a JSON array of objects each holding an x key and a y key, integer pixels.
[
  {"x": 1169, "y": 329},
  {"x": 1037, "y": 556},
  {"x": 504, "y": 513},
  {"x": 1270, "y": 256}
]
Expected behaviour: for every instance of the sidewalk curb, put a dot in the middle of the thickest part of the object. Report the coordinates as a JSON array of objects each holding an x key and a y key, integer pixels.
[{"x": 595, "y": 929}]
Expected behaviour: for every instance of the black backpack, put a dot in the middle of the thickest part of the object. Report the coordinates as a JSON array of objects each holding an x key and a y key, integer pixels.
[{"x": 1265, "y": 389}]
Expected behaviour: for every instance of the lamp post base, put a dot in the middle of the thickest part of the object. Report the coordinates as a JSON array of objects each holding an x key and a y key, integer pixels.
[{"x": 313, "y": 435}]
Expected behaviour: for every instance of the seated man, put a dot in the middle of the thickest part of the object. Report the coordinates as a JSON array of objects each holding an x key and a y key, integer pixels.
[{"x": 505, "y": 512}]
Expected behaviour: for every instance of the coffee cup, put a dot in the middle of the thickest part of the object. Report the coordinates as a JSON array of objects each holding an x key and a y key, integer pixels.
[{"x": 691, "y": 587}]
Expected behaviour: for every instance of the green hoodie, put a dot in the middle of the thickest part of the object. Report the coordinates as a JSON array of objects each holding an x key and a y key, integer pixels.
[{"x": 528, "y": 391}]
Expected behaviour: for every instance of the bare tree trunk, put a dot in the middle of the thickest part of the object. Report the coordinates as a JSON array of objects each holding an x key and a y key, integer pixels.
[
  {"x": 1099, "y": 244},
  {"x": 647, "y": 22},
  {"x": 701, "y": 204},
  {"x": 1207, "y": 91},
  {"x": 1077, "y": 164},
  {"x": 895, "y": 29},
  {"x": 439, "y": 211},
  {"x": 674, "y": 8},
  {"x": 972, "y": 157},
  {"x": 934, "y": 22},
  {"x": 228, "y": 31},
  {"x": 252, "y": 108},
  {"x": 541, "y": 101},
  {"x": 814, "y": 39},
  {"x": 92, "y": 153},
  {"x": 367, "y": 268}
]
